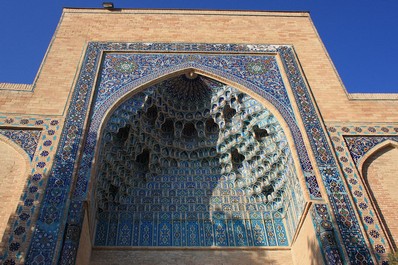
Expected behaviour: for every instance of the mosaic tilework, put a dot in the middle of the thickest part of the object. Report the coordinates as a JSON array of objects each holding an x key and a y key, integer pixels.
[
  {"x": 26, "y": 139},
  {"x": 49, "y": 226},
  {"x": 41, "y": 149},
  {"x": 326, "y": 236},
  {"x": 260, "y": 70},
  {"x": 351, "y": 143},
  {"x": 185, "y": 230}
]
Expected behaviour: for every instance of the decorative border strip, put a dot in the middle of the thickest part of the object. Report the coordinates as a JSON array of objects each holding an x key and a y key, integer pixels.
[
  {"x": 325, "y": 233},
  {"x": 349, "y": 156},
  {"x": 359, "y": 146}
]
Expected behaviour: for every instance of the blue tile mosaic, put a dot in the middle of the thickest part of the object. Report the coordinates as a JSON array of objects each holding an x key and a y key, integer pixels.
[
  {"x": 338, "y": 197},
  {"x": 326, "y": 236}
]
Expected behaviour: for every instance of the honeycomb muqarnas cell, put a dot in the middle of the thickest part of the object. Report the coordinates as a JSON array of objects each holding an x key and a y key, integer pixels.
[{"x": 193, "y": 162}]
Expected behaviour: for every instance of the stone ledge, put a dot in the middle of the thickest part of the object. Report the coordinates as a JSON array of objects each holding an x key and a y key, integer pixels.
[
  {"x": 372, "y": 96},
  {"x": 12, "y": 86},
  {"x": 121, "y": 10}
]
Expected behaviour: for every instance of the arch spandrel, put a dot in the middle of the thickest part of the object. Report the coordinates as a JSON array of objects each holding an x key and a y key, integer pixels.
[{"x": 375, "y": 149}]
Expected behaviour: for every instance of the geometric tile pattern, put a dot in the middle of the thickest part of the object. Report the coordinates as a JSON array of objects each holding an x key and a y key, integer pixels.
[
  {"x": 187, "y": 230},
  {"x": 351, "y": 143},
  {"x": 26, "y": 139},
  {"x": 119, "y": 70},
  {"x": 49, "y": 228}
]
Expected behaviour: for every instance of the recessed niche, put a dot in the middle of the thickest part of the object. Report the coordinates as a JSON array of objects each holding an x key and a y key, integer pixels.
[
  {"x": 259, "y": 133},
  {"x": 184, "y": 151},
  {"x": 152, "y": 113},
  {"x": 211, "y": 126},
  {"x": 123, "y": 133},
  {"x": 143, "y": 158},
  {"x": 189, "y": 130},
  {"x": 168, "y": 126},
  {"x": 237, "y": 158},
  {"x": 229, "y": 113},
  {"x": 267, "y": 190},
  {"x": 241, "y": 96}
]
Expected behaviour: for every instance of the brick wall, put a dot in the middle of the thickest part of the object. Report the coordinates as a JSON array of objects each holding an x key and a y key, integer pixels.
[{"x": 305, "y": 249}]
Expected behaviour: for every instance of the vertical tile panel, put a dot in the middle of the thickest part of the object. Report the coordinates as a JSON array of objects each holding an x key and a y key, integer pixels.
[{"x": 125, "y": 229}]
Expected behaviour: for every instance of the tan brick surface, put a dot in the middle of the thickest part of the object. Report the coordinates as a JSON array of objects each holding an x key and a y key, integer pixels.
[{"x": 84, "y": 252}]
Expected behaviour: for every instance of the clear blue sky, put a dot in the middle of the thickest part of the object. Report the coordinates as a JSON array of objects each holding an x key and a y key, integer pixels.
[{"x": 360, "y": 36}]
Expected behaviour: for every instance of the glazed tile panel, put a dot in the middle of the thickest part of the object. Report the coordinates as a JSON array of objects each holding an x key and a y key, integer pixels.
[
  {"x": 160, "y": 229},
  {"x": 360, "y": 145}
]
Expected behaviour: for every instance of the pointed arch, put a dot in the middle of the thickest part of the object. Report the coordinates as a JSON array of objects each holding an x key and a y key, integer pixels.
[
  {"x": 15, "y": 165},
  {"x": 374, "y": 150},
  {"x": 109, "y": 191},
  {"x": 378, "y": 169},
  {"x": 103, "y": 111},
  {"x": 140, "y": 84}
]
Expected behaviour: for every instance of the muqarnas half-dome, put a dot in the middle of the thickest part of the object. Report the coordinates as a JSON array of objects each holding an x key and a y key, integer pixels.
[{"x": 194, "y": 162}]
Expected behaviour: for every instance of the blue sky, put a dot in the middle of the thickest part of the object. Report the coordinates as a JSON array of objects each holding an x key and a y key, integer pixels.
[{"x": 360, "y": 36}]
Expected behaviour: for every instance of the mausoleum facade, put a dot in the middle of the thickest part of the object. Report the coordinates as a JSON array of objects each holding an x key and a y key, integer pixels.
[{"x": 191, "y": 136}]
